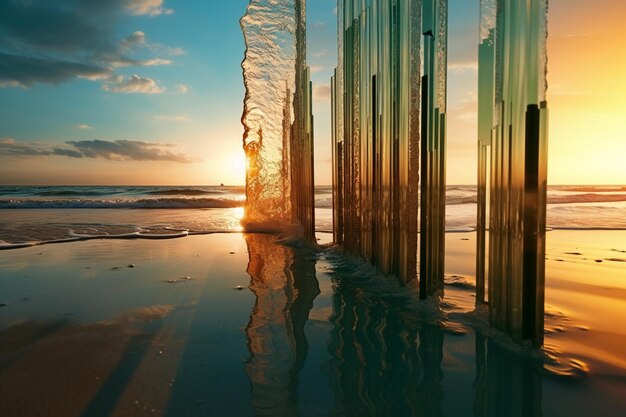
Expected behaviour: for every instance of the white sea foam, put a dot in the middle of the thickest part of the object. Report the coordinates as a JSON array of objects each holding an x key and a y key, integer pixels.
[
  {"x": 146, "y": 203},
  {"x": 211, "y": 209}
]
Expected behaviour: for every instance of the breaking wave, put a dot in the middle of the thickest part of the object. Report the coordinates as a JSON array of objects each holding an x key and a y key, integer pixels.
[{"x": 147, "y": 203}]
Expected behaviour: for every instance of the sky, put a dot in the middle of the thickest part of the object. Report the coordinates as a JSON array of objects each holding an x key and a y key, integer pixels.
[{"x": 151, "y": 91}]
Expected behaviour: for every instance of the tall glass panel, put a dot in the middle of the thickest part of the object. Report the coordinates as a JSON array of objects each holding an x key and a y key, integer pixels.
[
  {"x": 433, "y": 147},
  {"x": 376, "y": 91},
  {"x": 512, "y": 138},
  {"x": 277, "y": 119}
]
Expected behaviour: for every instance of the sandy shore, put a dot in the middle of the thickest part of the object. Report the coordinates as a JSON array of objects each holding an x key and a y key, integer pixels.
[{"x": 239, "y": 325}]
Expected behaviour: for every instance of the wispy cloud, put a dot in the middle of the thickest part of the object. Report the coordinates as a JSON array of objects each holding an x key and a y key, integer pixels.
[
  {"x": 320, "y": 54},
  {"x": 10, "y": 147},
  {"x": 461, "y": 67},
  {"x": 82, "y": 126},
  {"x": 25, "y": 71},
  {"x": 133, "y": 84},
  {"x": 465, "y": 108},
  {"x": 321, "y": 92},
  {"x": 139, "y": 39},
  {"x": 119, "y": 150},
  {"x": 182, "y": 88},
  {"x": 53, "y": 42},
  {"x": 317, "y": 68},
  {"x": 147, "y": 7},
  {"x": 171, "y": 118}
]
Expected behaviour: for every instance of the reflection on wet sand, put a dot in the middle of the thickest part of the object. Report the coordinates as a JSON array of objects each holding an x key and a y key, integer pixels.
[
  {"x": 386, "y": 360},
  {"x": 199, "y": 347},
  {"x": 507, "y": 384},
  {"x": 379, "y": 368},
  {"x": 285, "y": 286}
]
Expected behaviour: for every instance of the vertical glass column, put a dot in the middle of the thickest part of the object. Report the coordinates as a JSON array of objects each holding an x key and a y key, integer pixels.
[
  {"x": 513, "y": 124},
  {"x": 433, "y": 147},
  {"x": 486, "y": 56},
  {"x": 376, "y": 90},
  {"x": 302, "y": 156},
  {"x": 277, "y": 118}
]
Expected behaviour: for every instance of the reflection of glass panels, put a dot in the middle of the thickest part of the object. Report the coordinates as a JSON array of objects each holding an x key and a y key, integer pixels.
[
  {"x": 507, "y": 384},
  {"x": 278, "y": 124},
  {"x": 285, "y": 286},
  {"x": 512, "y": 151},
  {"x": 384, "y": 362}
]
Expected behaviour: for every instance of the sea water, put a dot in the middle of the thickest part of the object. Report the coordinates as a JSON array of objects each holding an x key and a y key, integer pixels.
[{"x": 47, "y": 213}]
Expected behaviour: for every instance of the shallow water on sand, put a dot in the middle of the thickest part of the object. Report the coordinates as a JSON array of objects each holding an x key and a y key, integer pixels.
[{"x": 239, "y": 325}]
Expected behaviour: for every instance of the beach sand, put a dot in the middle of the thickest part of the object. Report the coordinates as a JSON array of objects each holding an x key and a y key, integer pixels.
[{"x": 240, "y": 325}]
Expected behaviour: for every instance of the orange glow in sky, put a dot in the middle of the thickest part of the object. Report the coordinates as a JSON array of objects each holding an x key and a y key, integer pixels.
[
  {"x": 586, "y": 98},
  {"x": 587, "y": 92}
]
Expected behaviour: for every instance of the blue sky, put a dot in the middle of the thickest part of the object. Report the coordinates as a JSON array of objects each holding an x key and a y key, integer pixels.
[
  {"x": 151, "y": 91},
  {"x": 187, "y": 92}
]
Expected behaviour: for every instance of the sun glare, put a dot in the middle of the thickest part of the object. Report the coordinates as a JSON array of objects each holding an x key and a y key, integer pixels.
[{"x": 236, "y": 164}]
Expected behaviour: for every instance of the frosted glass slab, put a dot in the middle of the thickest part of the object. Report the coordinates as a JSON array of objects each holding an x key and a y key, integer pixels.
[{"x": 277, "y": 117}]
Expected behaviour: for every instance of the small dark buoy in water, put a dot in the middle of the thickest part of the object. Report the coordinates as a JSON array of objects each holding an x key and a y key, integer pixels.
[
  {"x": 232, "y": 253},
  {"x": 130, "y": 265},
  {"x": 239, "y": 287}
]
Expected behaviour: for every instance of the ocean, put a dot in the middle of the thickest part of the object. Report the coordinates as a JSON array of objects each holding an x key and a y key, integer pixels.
[{"x": 36, "y": 214}]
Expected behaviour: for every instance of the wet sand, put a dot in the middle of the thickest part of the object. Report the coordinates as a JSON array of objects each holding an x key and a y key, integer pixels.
[{"x": 239, "y": 325}]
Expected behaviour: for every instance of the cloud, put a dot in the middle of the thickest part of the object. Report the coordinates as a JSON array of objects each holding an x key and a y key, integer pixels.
[
  {"x": 70, "y": 153},
  {"x": 320, "y": 54},
  {"x": 155, "y": 62},
  {"x": 464, "y": 109},
  {"x": 462, "y": 67},
  {"x": 25, "y": 71},
  {"x": 182, "y": 88},
  {"x": 321, "y": 92},
  {"x": 172, "y": 118},
  {"x": 147, "y": 7},
  {"x": 9, "y": 147},
  {"x": 49, "y": 25},
  {"x": 317, "y": 68},
  {"x": 58, "y": 41},
  {"x": 119, "y": 150},
  {"x": 132, "y": 84},
  {"x": 82, "y": 126},
  {"x": 137, "y": 38}
]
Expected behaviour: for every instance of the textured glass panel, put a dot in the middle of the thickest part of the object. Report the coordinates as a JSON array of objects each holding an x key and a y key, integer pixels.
[
  {"x": 513, "y": 131},
  {"x": 433, "y": 149},
  {"x": 376, "y": 127},
  {"x": 278, "y": 128}
]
